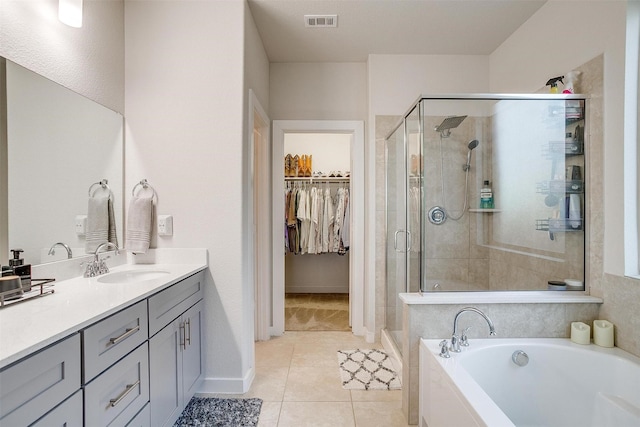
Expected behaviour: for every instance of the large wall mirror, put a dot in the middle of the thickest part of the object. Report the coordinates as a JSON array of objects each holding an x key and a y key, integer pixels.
[{"x": 55, "y": 145}]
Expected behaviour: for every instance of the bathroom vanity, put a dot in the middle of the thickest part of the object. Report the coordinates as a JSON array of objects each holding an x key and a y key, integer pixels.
[{"x": 124, "y": 348}]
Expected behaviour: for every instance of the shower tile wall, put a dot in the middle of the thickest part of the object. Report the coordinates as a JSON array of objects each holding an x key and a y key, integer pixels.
[{"x": 454, "y": 259}]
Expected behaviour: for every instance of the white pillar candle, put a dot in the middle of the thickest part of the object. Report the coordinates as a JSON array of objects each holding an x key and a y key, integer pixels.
[
  {"x": 603, "y": 333},
  {"x": 580, "y": 333}
]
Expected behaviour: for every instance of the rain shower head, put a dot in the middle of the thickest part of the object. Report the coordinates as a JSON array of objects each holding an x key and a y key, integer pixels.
[{"x": 448, "y": 123}]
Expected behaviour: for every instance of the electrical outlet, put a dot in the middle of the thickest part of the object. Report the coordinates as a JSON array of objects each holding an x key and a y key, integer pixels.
[
  {"x": 165, "y": 225},
  {"x": 81, "y": 225}
]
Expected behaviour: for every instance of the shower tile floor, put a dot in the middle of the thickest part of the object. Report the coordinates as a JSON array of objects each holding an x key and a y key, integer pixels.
[{"x": 297, "y": 378}]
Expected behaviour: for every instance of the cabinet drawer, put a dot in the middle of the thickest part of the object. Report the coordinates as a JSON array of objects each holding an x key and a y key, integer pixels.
[
  {"x": 109, "y": 340},
  {"x": 119, "y": 393},
  {"x": 173, "y": 301},
  {"x": 143, "y": 419},
  {"x": 37, "y": 384},
  {"x": 67, "y": 414}
]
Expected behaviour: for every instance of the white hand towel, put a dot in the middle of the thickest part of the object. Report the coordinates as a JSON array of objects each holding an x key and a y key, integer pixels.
[
  {"x": 97, "y": 223},
  {"x": 139, "y": 222}
]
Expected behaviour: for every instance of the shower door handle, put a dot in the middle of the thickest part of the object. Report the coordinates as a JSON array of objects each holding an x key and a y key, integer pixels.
[{"x": 409, "y": 240}]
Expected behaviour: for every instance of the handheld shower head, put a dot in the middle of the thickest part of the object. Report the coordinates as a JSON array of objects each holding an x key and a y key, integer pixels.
[{"x": 472, "y": 145}]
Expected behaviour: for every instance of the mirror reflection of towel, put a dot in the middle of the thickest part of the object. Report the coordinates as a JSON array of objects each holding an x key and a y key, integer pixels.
[
  {"x": 97, "y": 231},
  {"x": 139, "y": 221},
  {"x": 101, "y": 223}
]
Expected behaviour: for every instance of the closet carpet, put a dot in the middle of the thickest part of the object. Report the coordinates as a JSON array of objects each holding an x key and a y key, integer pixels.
[{"x": 316, "y": 312}]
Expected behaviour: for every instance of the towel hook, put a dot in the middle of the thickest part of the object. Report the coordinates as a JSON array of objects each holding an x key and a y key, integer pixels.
[
  {"x": 104, "y": 184},
  {"x": 145, "y": 185}
]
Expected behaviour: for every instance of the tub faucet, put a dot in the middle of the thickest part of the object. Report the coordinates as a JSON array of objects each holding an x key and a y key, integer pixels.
[
  {"x": 52, "y": 250},
  {"x": 455, "y": 339}
]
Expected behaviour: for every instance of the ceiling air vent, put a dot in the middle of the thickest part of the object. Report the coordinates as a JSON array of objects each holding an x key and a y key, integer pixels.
[{"x": 321, "y": 21}]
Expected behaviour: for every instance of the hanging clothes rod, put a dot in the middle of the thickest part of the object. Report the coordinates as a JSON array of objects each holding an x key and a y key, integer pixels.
[
  {"x": 318, "y": 179},
  {"x": 145, "y": 186},
  {"x": 104, "y": 185}
]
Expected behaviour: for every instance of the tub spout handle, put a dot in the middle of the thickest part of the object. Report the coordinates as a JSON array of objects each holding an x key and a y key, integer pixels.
[
  {"x": 464, "y": 339},
  {"x": 444, "y": 349}
]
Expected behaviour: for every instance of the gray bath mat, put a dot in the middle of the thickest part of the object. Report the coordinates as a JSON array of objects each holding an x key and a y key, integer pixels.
[
  {"x": 370, "y": 369},
  {"x": 214, "y": 412}
]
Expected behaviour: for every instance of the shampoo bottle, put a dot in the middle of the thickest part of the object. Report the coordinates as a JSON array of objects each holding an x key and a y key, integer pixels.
[
  {"x": 21, "y": 269},
  {"x": 486, "y": 196}
]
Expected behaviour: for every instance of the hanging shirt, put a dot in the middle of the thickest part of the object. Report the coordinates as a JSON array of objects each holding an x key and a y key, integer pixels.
[
  {"x": 313, "y": 223},
  {"x": 328, "y": 220}
]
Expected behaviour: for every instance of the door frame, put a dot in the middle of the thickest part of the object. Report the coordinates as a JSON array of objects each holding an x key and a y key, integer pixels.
[
  {"x": 260, "y": 163},
  {"x": 356, "y": 201}
]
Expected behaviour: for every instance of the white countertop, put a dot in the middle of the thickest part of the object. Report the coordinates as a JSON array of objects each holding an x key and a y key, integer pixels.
[
  {"x": 500, "y": 297},
  {"x": 77, "y": 303}
]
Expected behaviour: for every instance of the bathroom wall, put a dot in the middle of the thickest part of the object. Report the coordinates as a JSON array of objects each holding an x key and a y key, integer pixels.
[
  {"x": 87, "y": 60},
  {"x": 187, "y": 110}
]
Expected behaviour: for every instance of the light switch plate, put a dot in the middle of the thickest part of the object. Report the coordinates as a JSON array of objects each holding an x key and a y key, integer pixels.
[{"x": 165, "y": 225}]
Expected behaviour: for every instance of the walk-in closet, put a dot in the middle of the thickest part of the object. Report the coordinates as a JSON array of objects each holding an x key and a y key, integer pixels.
[{"x": 317, "y": 176}]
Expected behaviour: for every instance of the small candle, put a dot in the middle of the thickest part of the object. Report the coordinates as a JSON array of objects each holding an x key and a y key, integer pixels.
[
  {"x": 603, "y": 333},
  {"x": 580, "y": 333}
]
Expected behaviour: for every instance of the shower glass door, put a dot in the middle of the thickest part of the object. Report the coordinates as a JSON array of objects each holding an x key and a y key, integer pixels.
[{"x": 396, "y": 208}]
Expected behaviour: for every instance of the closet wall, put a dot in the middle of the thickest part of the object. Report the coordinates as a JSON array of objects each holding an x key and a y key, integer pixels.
[{"x": 327, "y": 272}]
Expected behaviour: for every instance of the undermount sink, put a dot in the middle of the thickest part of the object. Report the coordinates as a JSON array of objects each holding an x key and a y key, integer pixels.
[{"x": 131, "y": 276}]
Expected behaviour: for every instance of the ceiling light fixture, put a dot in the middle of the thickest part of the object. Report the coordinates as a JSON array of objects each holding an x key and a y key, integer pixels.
[
  {"x": 321, "y": 21},
  {"x": 70, "y": 12}
]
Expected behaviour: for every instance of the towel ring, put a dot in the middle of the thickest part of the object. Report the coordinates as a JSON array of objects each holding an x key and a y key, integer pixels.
[
  {"x": 145, "y": 185},
  {"x": 104, "y": 185}
]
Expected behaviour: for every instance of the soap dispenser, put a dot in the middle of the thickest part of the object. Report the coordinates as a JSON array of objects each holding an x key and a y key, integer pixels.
[{"x": 21, "y": 269}]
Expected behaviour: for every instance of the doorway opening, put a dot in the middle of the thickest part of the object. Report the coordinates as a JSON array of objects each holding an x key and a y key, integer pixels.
[
  {"x": 317, "y": 212},
  {"x": 319, "y": 281}
]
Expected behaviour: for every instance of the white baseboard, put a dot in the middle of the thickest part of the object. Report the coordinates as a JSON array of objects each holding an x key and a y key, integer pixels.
[{"x": 227, "y": 385}]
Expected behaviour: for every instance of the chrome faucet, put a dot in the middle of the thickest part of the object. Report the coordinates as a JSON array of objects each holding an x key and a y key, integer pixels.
[
  {"x": 52, "y": 250},
  {"x": 99, "y": 266},
  {"x": 455, "y": 339}
]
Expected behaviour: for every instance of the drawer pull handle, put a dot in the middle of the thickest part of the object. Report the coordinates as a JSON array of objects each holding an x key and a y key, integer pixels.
[
  {"x": 187, "y": 339},
  {"x": 126, "y": 334},
  {"x": 114, "y": 402}
]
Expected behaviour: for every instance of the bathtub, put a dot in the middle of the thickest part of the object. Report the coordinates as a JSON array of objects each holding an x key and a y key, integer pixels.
[{"x": 563, "y": 385}]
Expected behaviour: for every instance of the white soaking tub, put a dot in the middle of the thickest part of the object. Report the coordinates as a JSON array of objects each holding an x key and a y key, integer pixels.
[{"x": 563, "y": 385}]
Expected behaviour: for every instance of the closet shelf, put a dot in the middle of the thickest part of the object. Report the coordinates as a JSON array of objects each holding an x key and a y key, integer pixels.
[{"x": 311, "y": 179}]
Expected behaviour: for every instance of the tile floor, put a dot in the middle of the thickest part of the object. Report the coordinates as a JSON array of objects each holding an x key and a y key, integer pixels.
[{"x": 297, "y": 377}]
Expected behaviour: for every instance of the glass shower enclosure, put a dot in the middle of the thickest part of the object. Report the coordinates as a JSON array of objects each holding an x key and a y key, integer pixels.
[{"x": 486, "y": 193}]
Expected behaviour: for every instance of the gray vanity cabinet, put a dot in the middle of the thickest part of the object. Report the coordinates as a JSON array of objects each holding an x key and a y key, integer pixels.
[
  {"x": 175, "y": 362},
  {"x": 137, "y": 368},
  {"x": 34, "y": 386}
]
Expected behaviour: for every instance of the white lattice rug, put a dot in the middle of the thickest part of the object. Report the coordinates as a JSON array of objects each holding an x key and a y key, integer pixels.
[{"x": 370, "y": 369}]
